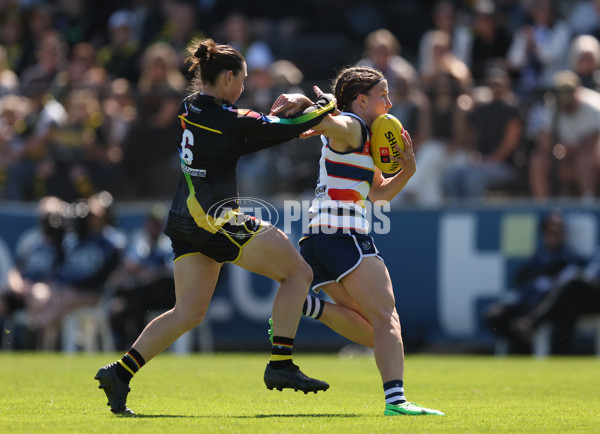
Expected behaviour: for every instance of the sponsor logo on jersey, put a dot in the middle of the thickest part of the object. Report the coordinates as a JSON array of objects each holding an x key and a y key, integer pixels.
[{"x": 200, "y": 173}]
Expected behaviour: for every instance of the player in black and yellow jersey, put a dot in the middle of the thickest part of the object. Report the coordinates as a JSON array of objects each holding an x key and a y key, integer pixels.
[{"x": 207, "y": 228}]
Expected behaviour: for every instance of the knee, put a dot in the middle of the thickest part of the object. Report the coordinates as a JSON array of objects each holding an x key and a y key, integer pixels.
[
  {"x": 305, "y": 273},
  {"x": 190, "y": 316},
  {"x": 386, "y": 317},
  {"x": 301, "y": 273}
]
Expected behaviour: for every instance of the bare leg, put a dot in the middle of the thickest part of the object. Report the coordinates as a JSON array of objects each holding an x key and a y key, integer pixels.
[
  {"x": 270, "y": 253},
  {"x": 345, "y": 317},
  {"x": 370, "y": 285},
  {"x": 195, "y": 280}
]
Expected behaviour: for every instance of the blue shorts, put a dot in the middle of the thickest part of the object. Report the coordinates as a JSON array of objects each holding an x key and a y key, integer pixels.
[{"x": 334, "y": 256}]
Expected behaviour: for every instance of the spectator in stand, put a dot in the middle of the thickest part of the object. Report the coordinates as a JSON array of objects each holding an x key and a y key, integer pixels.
[
  {"x": 564, "y": 161},
  {"x": 38, "y": 22},
  {"x": 119, "y": 111},
  {"x": 438, "y": 46},
  {"x": 77, "y": 164},
  {"x": 51, "y": 52},
  {"x": 493, "y": 134},
  {"x": 91, "y": 252},
  {"x": 96, "y": 80},
  {"x": 563, "y": 305},
  {"x": 410, "y": 106},
  {"x": 143, "y": 281},
  {"x": 446, "y": 19},
  {"x": 9, "y": 82},
  {"x": 11, "y": 38},
  {"x": 13, "y": 112},
  {"x": 553, "y": 262},
  {"x": 512, "y": 12},
  {"x": 119, "y": 57},
  {"x": 34, "y": 138},
  {"x": 38, "y": 257},
  {"x": 82, "y": 59},
  {"x": 238, "y": 34},
  {"x": 160, "y": 78},
  {"x": 595, "y": 15},
  {"x": 72, "y": 19},
  {"x": 584, "y": 60},
  {"x": 160, "y": 90},
  {"x": 442, "y": 145},
  {"x": 382, "y": 51},
  {"x": 539, "y": 49},
  {"x": 182, "y": 24},
  {"x": 490, "y": 38},
  {"x": 148, "y": 21},
  {"x": 583, "y": 17}
]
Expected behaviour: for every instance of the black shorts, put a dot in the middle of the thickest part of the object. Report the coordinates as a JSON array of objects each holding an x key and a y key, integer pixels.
[
  {"x": 224, "y": 246},
  {"x": 334, "y": 256}
]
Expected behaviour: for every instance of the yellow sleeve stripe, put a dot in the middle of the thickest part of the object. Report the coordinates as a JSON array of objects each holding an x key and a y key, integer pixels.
[{"x": 199, "y": 126}]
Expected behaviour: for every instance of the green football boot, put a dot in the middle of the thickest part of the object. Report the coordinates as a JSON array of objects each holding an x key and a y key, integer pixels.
[{"x": 409, "y": 409}]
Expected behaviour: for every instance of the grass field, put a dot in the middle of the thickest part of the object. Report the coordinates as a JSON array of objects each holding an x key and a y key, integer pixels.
[{"x": 225, "y": 393}]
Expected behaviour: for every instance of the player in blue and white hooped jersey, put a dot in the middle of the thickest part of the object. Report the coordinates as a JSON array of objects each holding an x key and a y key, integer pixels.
[{"x": 343, "y": 257}]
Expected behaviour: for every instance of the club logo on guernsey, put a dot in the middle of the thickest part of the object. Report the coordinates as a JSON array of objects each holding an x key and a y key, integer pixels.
[{"x": 366, "y": 245}]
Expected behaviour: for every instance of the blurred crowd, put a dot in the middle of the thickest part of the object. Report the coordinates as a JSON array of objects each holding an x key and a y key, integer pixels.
[
  {"x": 500, "y": 96},
  {"x": 77, "y": 256}
]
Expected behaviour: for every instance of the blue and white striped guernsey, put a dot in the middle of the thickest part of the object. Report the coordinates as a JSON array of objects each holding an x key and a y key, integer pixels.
[{"x": 343, "y": 186}]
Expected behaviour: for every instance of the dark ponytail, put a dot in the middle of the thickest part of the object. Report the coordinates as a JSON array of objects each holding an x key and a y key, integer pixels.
[{"x": 207, "y": 60}]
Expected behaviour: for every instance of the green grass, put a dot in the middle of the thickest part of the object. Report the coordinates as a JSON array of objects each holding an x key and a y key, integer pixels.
[{"x": 225, "y": 393}]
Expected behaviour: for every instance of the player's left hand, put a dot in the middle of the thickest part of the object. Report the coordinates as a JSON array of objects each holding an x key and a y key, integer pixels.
[
  {"x": 407, "y": 157},
  {"x": 319, "y": 92},
  {"x": 288, "y": 104}
]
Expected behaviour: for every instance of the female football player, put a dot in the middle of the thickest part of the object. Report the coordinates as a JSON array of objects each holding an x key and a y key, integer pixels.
[
  {"x": 345, "y": 262},
  {"x": 207, "y": 228}
]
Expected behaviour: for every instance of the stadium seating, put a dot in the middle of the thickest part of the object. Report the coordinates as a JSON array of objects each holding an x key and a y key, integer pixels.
[
  {"x": 541, "y": 338},
  {"x": 87, "y": 328}
]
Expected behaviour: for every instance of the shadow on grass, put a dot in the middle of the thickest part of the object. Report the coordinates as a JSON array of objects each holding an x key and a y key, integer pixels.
[
  {"x": 262, "y": 416},
  {"x": 256, "y": 416},
  {"x": 161, "y": 416}
]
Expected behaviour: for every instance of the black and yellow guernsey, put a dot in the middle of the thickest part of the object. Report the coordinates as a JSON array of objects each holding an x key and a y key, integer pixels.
[{"x": 214, "y": 134}]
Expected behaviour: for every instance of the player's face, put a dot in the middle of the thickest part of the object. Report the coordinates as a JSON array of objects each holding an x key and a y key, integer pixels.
[
  {"x": 237, "y": 84},
  {"x": 379, "y": 102}
]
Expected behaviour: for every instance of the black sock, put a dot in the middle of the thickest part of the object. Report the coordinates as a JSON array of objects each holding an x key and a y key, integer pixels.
[
  {"x": 281, "y": 354},
  {"x": 394, "y": 392},
  {"x": 313, "y": 307},
  {"x": 129, "y": 364}
]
